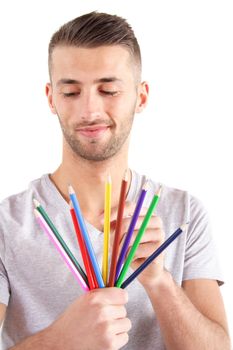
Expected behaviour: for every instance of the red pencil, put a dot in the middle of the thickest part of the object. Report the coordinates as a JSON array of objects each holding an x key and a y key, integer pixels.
[
  {"x": 83, "y": 249},
  {"x": 117, "y": 236},
  {"x": 93, "y": 272}
]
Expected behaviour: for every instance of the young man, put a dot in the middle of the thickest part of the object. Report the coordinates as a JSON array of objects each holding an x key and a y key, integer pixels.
[{"x": 95, "y": 90}]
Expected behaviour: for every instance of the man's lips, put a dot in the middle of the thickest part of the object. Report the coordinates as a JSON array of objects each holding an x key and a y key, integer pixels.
[{"x": 92, "y": 130}]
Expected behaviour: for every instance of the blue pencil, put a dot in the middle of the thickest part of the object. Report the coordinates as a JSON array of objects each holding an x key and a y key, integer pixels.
[
  {"x": 154, "y": 255},
  {"x": 86, "y": 238}
]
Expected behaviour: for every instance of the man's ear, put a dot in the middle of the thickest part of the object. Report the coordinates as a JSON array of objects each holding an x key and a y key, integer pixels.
[
  {"x": 143, "y": 93},
  {"x": 48, "y": 91}
]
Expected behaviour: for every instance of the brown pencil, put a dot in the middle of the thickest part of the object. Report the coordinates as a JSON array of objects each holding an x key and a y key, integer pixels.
[{"x": 117, "y": 236}]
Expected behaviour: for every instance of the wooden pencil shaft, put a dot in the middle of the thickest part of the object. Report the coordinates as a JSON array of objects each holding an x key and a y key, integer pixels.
[{"x": 117, "y": 236}]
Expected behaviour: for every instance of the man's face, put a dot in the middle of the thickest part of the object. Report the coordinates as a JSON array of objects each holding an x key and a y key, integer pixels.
[{"x": 95, "y": 94}]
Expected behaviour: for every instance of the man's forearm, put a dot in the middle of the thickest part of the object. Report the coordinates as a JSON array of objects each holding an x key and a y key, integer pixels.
[
  {"x": 41, "y": 340},
  {"x": 182, "y": 325}
]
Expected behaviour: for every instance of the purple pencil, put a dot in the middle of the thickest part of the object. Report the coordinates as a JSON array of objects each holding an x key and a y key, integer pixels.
[
  {"x": 45, "y": 227},
  {"x": 131, "y": 229}
]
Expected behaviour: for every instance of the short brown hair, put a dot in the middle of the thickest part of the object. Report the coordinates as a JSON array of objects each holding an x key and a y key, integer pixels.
[{"x": 96, "y": 29}]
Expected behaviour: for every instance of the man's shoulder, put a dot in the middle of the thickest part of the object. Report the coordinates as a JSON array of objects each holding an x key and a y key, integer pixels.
[
  {"x": 174, "y": 202},
  {"x": 14, "y": 206},
  {"x": 169, "y": 194}
]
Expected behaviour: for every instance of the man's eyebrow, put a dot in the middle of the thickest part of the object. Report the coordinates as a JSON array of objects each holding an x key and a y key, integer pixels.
[
  {"x": 107, "y": 80},
  {"x": 66, "y": 81}
]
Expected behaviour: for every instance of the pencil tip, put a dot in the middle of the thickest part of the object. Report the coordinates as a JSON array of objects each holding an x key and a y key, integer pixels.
[
  {"x": 184, "y": 226},
  {"x": 158, "y": 193},
  {"x": 145, "y": 186},
  {"x": 125, "y": 178},
  {"x": 109, "y": 180},
  {"x": 36, "y": 203},
  {"x": 70, "y": 189}
]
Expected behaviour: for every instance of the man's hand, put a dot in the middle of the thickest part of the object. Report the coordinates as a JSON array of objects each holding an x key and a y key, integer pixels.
[
  {"x": 151, "y": 240},
  {"x": 97, "y": 320}
]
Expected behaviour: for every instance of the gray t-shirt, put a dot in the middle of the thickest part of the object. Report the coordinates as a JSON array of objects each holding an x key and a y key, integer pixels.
[{"x": 37, "y": 286}]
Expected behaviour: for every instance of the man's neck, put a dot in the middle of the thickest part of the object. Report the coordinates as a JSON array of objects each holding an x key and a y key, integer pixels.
[{"x": 88, "y": 180}]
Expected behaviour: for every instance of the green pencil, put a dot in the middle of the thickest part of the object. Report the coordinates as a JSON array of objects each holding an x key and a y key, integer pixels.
[
  {"x": 60, "y": 239},
  {"x": 138, "y": 238}
]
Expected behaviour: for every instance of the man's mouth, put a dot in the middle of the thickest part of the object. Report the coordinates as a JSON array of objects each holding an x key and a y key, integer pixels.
[{"x": 93, "y": 130}]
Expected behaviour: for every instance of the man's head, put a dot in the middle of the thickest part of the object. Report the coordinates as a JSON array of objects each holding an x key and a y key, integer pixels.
[
  {"x": 94, "y": 30},
  {"x": 95, "y": 87}
]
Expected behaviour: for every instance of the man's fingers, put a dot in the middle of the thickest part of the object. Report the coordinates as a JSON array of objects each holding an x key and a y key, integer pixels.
[
  {"x": 150, "y": 235},
  {"x": 145, "y": 250},
  {"x": 121, "y": 326},
  {"x": 114, "y": 296},
  {"x": 114, "y": 312},
  {"x": 128, "y": 211}
]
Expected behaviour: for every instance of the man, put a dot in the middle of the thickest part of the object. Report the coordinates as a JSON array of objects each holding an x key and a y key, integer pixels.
[{"x": 95, "y": 90}]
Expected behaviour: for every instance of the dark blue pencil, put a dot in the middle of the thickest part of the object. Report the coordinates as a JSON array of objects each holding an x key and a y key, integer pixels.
[{"x": 154, "y": 255}]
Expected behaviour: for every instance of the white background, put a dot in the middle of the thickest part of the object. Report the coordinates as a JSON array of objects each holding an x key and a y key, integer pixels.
[{"x": 183, "y": 139}]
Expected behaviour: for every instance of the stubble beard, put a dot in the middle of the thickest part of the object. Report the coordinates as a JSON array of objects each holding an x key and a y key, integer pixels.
[{"x": 102, "y": 151}]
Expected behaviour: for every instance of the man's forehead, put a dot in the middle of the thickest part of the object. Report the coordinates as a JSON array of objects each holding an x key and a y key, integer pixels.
[
  {"x": 89, "y": 64},
  {"x": 102, "y": 64},
  {"x": 63, "y": 53}
]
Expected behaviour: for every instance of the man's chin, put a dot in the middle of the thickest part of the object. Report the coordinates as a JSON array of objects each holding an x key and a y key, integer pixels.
[
  {"x": 96, "y": 156},
  {"x": 92, "y": 158}
]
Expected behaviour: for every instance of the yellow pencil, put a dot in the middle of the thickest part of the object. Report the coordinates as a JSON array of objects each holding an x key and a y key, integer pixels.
[{"x": 107, "y": 213}]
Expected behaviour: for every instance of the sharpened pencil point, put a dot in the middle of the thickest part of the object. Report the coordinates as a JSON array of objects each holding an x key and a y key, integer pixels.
[
  {"x": 158, "y": 193},
  {"x": 70, "y": 189},
  {"x": 36, "y": 203},
  {"x": 109, "y": 179},
  {"x": 145, "y": 186},
  {"x": 184, "y": 226},
  {"x": 125, "y": 177}
]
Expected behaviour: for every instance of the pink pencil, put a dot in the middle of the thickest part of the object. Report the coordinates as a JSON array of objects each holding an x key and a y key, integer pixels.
[{"x": 45, "y": 227}]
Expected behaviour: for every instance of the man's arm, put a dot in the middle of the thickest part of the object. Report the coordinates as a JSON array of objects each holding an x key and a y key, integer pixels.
[
  {"x": 2, "y": 312},
  {"x": 97, "y": 320},
  {"x": 192, "y": 317}
]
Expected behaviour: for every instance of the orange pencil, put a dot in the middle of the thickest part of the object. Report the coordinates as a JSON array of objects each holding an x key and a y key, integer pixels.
[
  {"x": 86, "y": 260},
  {"x": 117, "y": 236}
]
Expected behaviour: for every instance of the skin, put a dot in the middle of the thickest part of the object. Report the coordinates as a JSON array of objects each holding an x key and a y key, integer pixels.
[
  {"x": 2, "y": 312},
  {"x": 96, "y": 121}
]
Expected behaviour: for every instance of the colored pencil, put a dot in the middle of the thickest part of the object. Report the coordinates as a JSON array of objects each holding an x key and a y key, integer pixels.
[
  {"x": 83, "y": 249},
  {"x": 39, "y": 207},
  {"x": 136, "y": 243},
  {"x": 131, "y": 229},
  {"x": 154, "y": 255},
  {"x": 117, "y": 236},
  {"x": 46, "y": 228},
  {"x": 93, "y": 273},
  {"x": 107, "y": 214},
  {"x": 86, "y": 237}
]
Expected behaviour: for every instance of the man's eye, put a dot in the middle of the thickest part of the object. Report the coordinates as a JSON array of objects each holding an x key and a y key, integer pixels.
[
  {"x": 70, "y": 94},
  {"x": 111, "y": 93}
]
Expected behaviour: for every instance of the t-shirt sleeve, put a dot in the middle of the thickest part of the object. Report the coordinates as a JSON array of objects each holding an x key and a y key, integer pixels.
[
  {"x": 201, "y": 260},
  {"x": 4, "y": 283}
]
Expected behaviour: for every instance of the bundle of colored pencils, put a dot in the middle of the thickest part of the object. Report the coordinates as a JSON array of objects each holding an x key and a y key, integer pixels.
[{"x": 92, "y": 278}]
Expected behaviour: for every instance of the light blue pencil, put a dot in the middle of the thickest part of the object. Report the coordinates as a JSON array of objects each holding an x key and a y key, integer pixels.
[{"x": 86, "y": 238}]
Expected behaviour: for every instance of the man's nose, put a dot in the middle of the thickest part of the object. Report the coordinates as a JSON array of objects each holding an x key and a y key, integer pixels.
[{"x": 90, "y": 106}]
